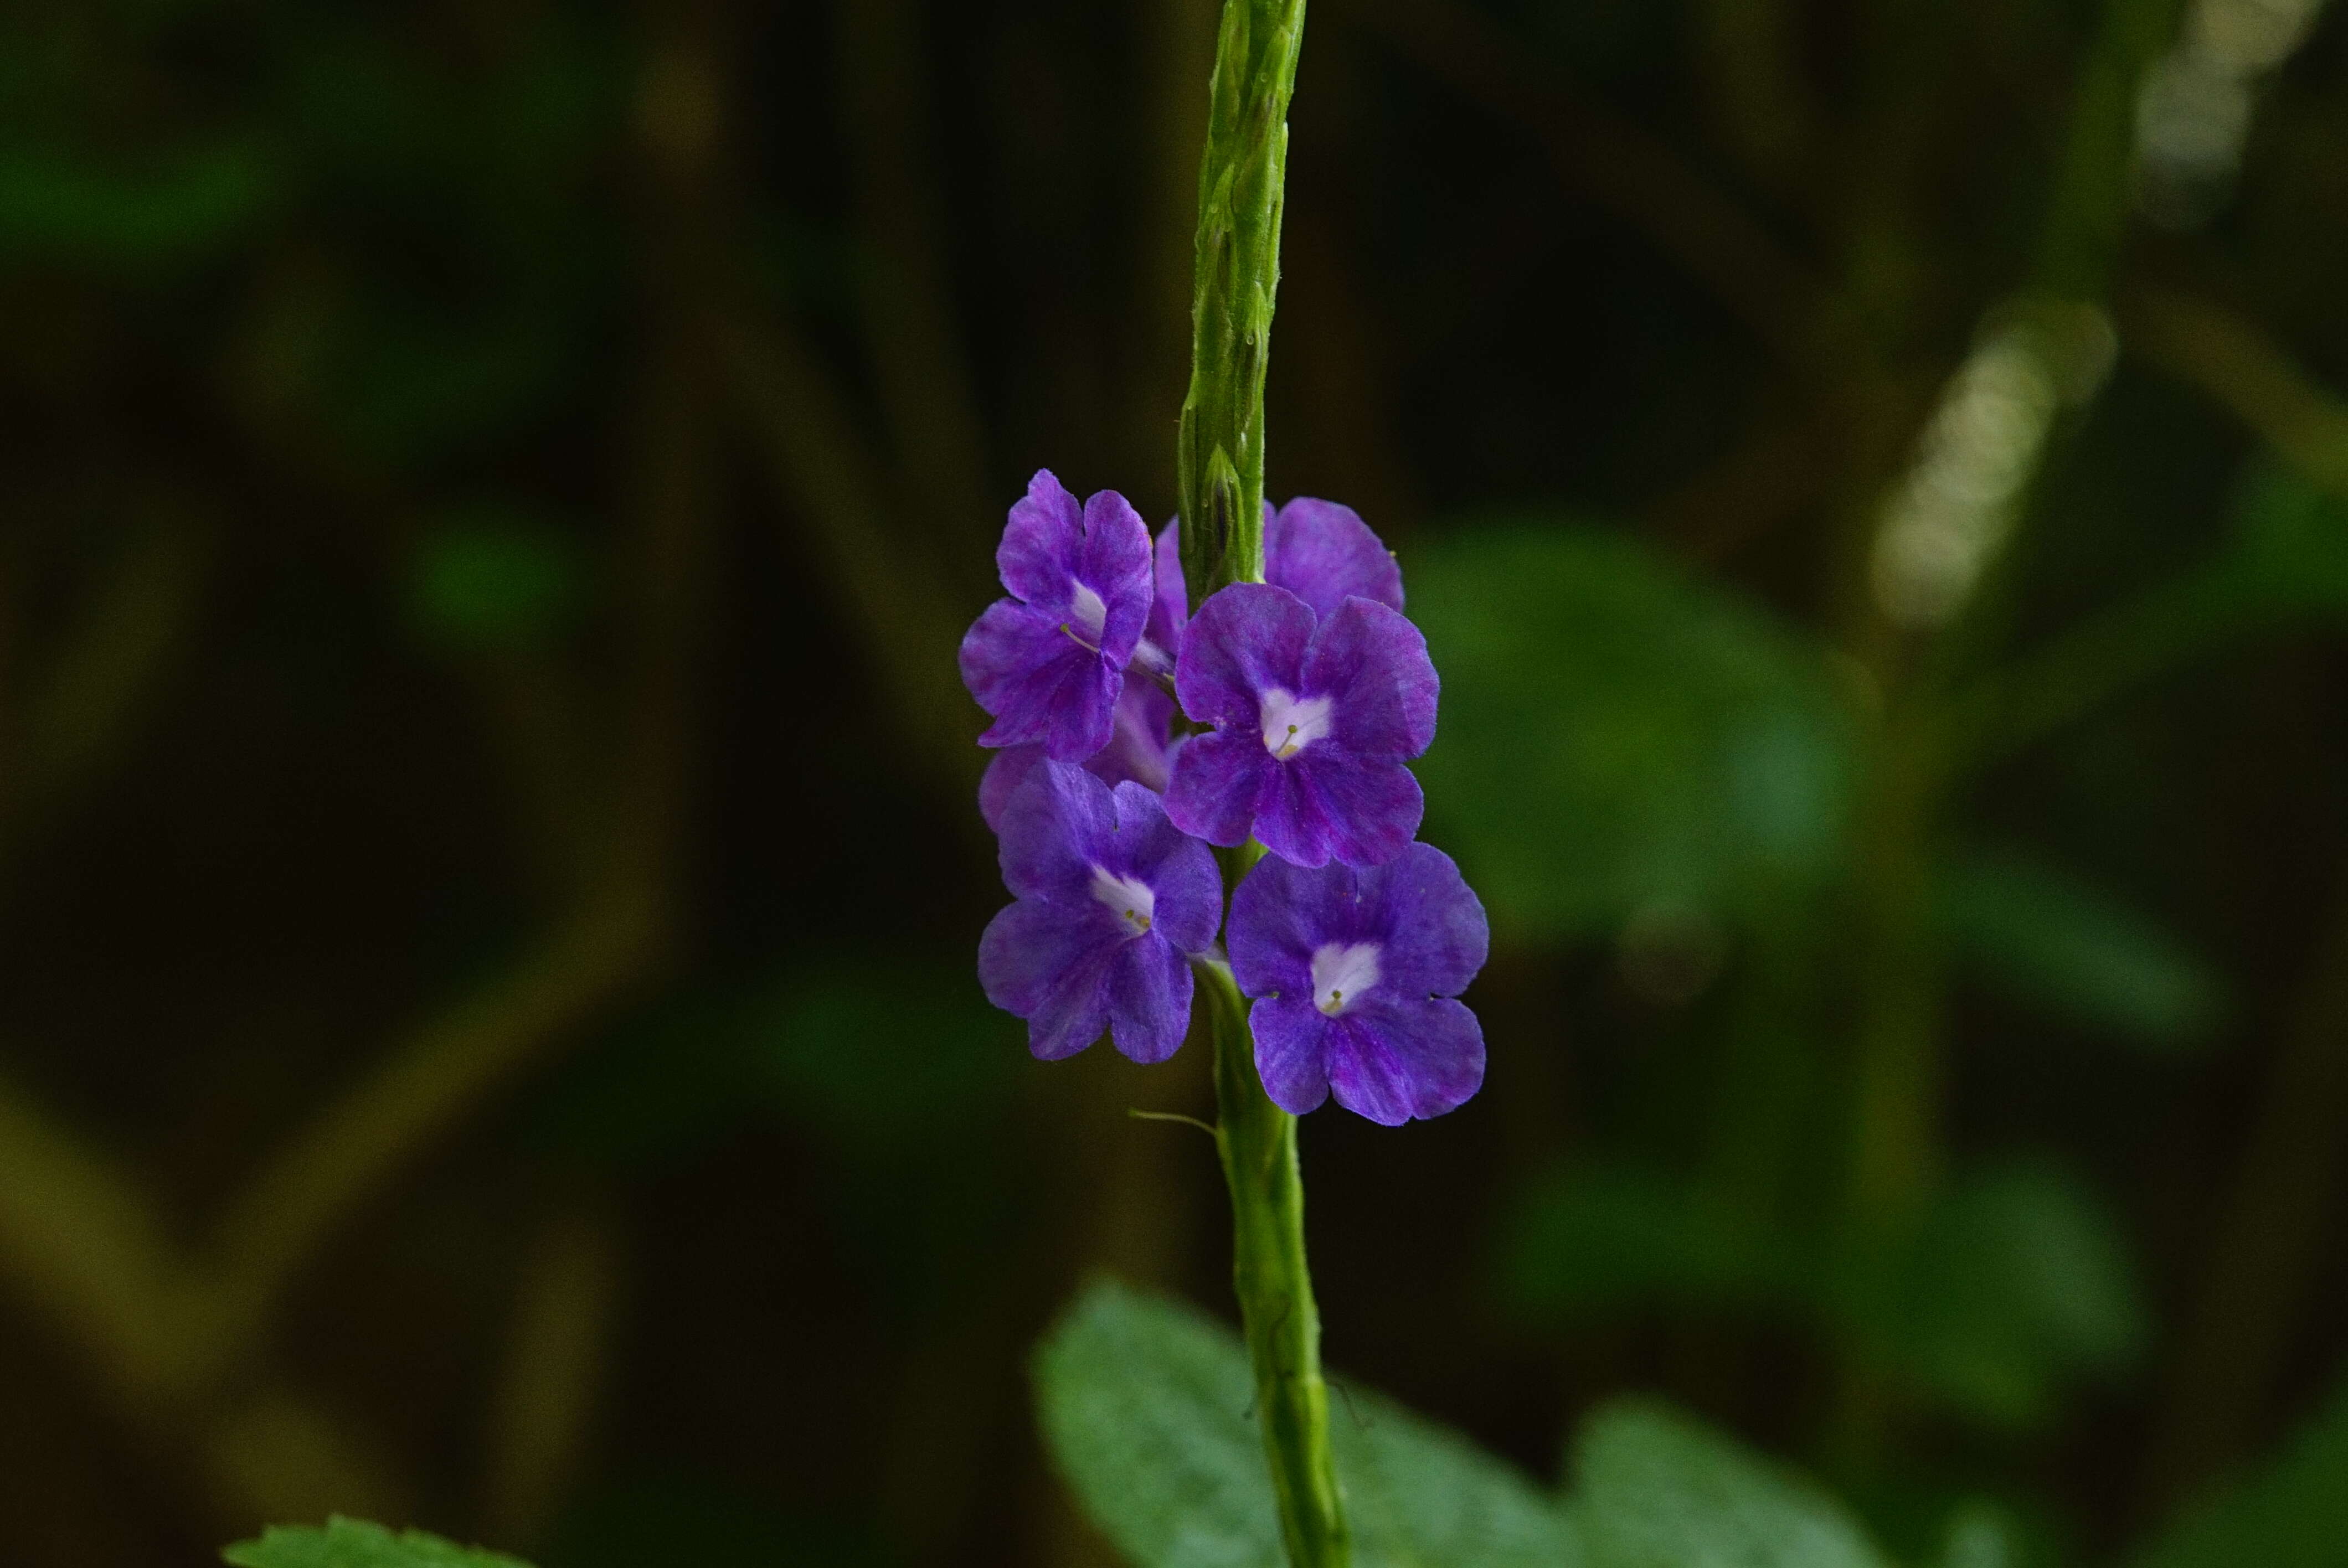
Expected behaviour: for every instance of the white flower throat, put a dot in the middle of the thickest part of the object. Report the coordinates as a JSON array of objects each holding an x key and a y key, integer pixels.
[
  {"x": 1086, "y": 608},
  {"x": 1343, "y": 975},
  {"x": 1292, "y": 724},
  {"x": 1130, "y": 901}
]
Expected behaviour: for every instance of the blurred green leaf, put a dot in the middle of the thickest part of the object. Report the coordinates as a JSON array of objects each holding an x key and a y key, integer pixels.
[
  {"x": 1617, "y": 736},
  {"x": 185, "y": 208},
  {"x": 1145, "y": 1405},
  {"x": 2049, "y": 939},
  {"x": 1981, "y": 1534},
  {"x": 1596, "y": 1239},
  {"x": 354, "y": 1543},
  {"x": 877, "y": 1058},
  {"x": 408, "y": 385},
  {"x": 2017, "y": 1287},
  {"x": 662, "y": 1087},
  {"x": 2294, "y": 1513},
  {"x": 1656, "y": 1488},
  {"x": 2291, "y": 539},
  {"x": 413, "y": 123},
  {"x": 490, "y": 576}
]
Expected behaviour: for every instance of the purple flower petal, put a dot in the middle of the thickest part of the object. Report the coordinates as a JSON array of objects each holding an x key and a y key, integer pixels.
[
  {"x": 1075, "y": 1010},
  {"x": 1290, "y": 1052},
  {"x": 1005, "y": 773},
  {"x": 1216, "y": 780},
  {"x": 1397, "y": 1060},
  {"x": 1180, "y": 872},
  {"x": 1245, "y": 641},
  {"x": 1039, "y": 965},
  {"x": 1043, "y": 686},
  {"x": 1111, "y": 897},
  {"x": 1148, "y": 1000},
  {"x": 1351, "y": 969},
  {"x": 1373, "y": 666},
  {"x": 1280, "y": 914},
  {"x": 1052, "y": 832},
  {"x": 1327, "y": 806},
  {"x": 1436, "y": 935},
  {"x": 1049, "y": 663},
  {"x": 1138, "y": 748},
  {"x": 1116, "y": 564},
  {"x": 1042, "y": 543},
  {"x": 1323, "y": 553},
  {"x": 1169, "y": 605}
]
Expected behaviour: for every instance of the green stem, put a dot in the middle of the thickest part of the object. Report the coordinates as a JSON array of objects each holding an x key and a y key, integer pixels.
[
  {"x": 1258, "y": 1140},
  {"x": 1219, "y": 467}
]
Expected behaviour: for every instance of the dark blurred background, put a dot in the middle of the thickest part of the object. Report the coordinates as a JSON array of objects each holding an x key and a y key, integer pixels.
[{"x": 487, "y": 1037}]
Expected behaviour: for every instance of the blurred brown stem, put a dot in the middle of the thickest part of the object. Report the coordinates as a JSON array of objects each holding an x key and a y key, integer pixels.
[
  {"x": 2228, "y": 358},
  {"x": 566, "y": 1301},
  {"x": 178, "y": 1338},
  {"x": 1781, "y": 300},
  {"x": 820, "y": 465},
  {"x": 923, "y": 376},
  {"x": 2273, "y": 1230}
]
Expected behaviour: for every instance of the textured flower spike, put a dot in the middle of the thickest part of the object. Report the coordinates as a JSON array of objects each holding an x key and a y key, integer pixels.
[
  {"x": 1049, "y": 662},
  {"x": 1356, "y": 975},
  {"x": 1321, "y": 551},
  {"x": 1313, "y": 721},
  {"x": 1111, "y": 899}
]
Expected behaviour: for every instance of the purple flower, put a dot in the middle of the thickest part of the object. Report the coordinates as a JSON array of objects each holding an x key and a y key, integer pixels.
[
  {"x": 1355, "y": 976},
  {"x": 1110, "y": 898},
  {"x": 1321, "y": 551},
  {"x": 1049, "y": 662},
  {"x": 1312, "y": 724},
  {"x": 1139, "y": 749}
]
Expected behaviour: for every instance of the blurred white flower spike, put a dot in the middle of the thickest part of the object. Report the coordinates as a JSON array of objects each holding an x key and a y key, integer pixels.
[
  {"x": 1948, "y": 514},
  {"x": 2194, "y": 112}
]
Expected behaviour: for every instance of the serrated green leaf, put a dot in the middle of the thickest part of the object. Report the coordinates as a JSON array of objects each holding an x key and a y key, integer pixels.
[
  {"x": 2292, "y": 1513},
  {"x": 1619, "y": 737},
  {"x": 1145, "y": 1407},
  {"x": 355, "y": 1543},
  {"x": 2050, "y": 939},
  {"x": 1659, "y": 1490}
]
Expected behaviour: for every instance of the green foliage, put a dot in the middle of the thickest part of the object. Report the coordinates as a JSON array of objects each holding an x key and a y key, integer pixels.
[
  {"x": 879, "y": 1060},
  {"x": 1145, "y": 1405},
  {"x": 2047, "y": 939},
  {"x": 2292, "y": 1513},
  {"x": 2291, "y": 544},
  {"x": 1617, "y": 736},
  {"x": 489, "y": 577},
  {"x": 1657, "y": 1490},
  {"x": 355, "y": 1543},
  {"x": 688, "y": 1520},
  {"x": 1596, "y": 1240},
  {"x": 182, "y": 207},
  {"x": 2017, "y": 1285},
  {"x": 2015, "y": 1288}
]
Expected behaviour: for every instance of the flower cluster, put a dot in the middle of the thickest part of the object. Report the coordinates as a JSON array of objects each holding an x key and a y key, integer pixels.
[{"x": 1300, "y": 699}]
